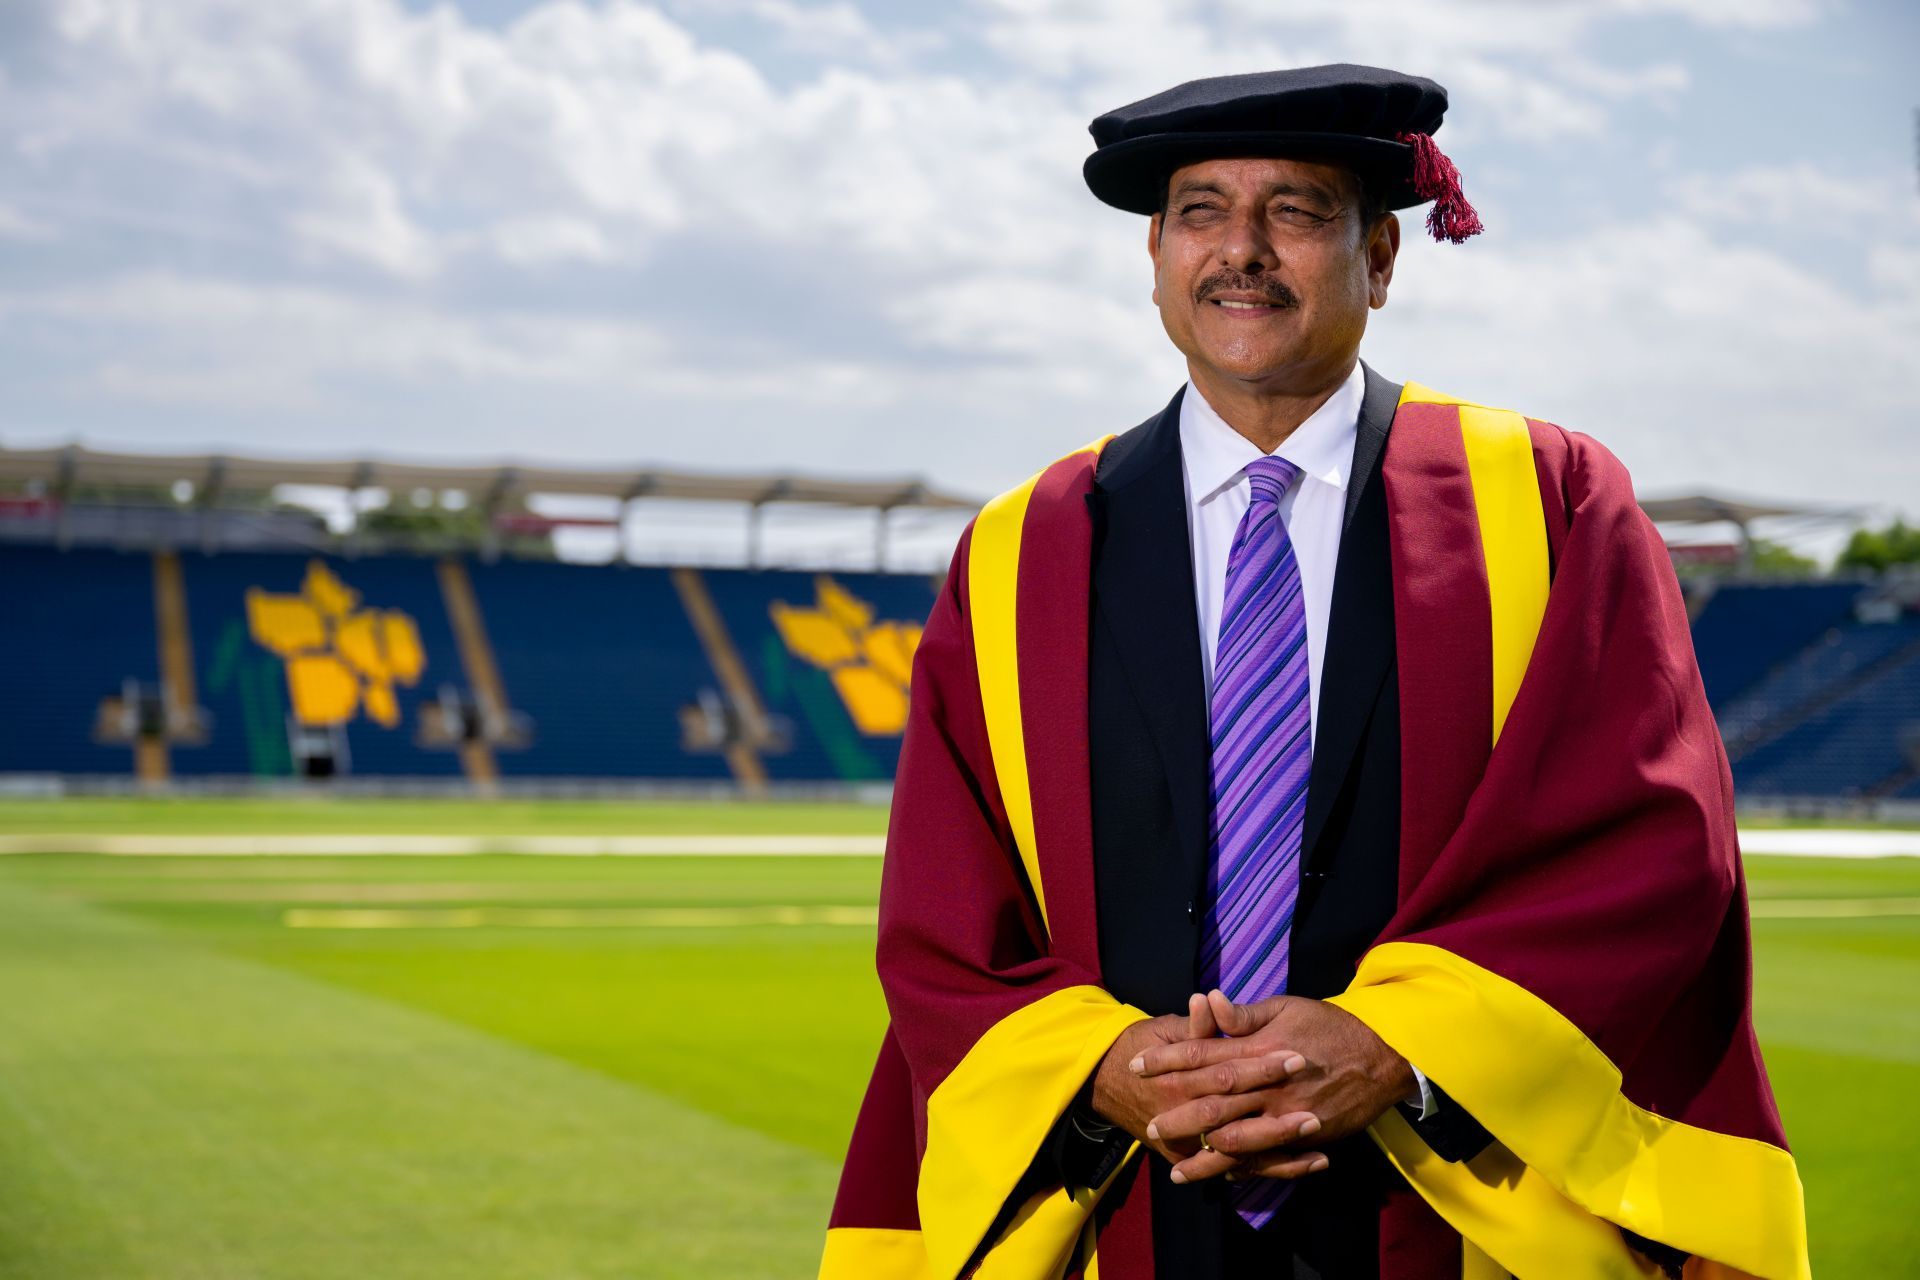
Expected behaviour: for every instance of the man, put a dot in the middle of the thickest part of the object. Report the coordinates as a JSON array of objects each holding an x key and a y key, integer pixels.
[{"x": 1224, "y": 805}]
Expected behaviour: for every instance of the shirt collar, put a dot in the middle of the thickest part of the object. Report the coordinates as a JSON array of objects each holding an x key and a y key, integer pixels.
[{"x": 1214, "y": 454}]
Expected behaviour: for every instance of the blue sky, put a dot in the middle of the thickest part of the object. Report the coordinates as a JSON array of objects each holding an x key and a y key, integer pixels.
[{"x": 764, "y": 233}]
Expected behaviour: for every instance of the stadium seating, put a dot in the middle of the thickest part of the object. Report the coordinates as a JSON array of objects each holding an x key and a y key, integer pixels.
[
  {"x": 390, "y": 662},
  {"x": 599, "y": 666},
  {"x": 1849, "y": 747},
  {"x": 245, "y": 686},
  {"x": 1811, "y": 675},
  {"x": 75, "y": 626},
  {"x": 600, "y": 659},
  {"x": 797, "y": 679},
  {"x": 1746, "y": 629}
]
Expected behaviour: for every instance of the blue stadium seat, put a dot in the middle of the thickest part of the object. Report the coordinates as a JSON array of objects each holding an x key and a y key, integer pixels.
[
  {"x": 601, "y": 660},
  {"x": 77, "y": 624},
  {"x": 1747, "y": 629},
  {"x": 1809, "y": 675},
  {"x": 1848, "y": 748}
]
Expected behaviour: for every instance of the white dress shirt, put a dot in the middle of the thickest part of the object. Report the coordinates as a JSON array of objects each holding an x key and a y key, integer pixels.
[{"x": 1214, "y": 458}]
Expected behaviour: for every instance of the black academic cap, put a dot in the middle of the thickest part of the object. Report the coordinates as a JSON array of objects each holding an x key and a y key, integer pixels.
[{"x": 1376, "y": 121}]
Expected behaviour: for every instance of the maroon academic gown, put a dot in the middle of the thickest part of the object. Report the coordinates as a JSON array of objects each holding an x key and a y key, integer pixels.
[{"x": 1520, "y": 870}]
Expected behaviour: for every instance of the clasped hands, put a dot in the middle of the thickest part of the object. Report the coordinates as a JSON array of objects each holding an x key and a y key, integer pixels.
[{"x": 1263, "y": 1084}]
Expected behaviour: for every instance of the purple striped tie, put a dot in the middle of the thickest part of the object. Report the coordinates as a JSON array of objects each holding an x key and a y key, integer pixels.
[{"x": 1262, "y": 749}]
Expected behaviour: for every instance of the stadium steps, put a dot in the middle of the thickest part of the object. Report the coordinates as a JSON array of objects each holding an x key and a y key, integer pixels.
[
  {"x": 797, "y": 680},
  {"x": 742, "y": 697},
  {"x": 1901, "y": 785},
  {"x": 477, "y": 758},
  {"x": 178, "y": 688}
]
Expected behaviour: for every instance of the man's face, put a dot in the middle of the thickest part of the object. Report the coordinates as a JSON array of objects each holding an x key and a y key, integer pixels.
[{"x": 1284, "y": 236}]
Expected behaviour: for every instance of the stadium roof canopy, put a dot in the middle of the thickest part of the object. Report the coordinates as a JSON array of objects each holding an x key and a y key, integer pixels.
[
  {"x": 493, "y": 487},
  {"x": 1741, "y": 513},
  {"x": 63, "y": 467},
  {"x": 1708, "y": 508}
]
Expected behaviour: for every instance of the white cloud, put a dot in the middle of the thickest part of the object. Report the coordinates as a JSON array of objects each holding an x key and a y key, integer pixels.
[
  {"x": 221, "y": 344},
  {"x": 837, "y": 29},
  {"x": 363, "y": 218},
  {"x": 1699, "y": 358},
  {"x": 1757, "y": 14},
  {"x": 15, "y": 225},
  {"x": 534, "y": 240},
  {"x": 1801, "y": 196},
  {"x": 564, "y": 232}
]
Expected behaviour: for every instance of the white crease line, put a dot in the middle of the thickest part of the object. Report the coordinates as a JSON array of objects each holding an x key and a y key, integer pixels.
[
  {"x": 1832, "y": 908},
  {"x": 1825, "y": 842},
  {"x": 699, "y": 846}
]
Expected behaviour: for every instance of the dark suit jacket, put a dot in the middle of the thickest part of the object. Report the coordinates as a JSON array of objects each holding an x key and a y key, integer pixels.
[
  {"x": 1149, "y": 760},
  {"x": 1147, "y": 719}
]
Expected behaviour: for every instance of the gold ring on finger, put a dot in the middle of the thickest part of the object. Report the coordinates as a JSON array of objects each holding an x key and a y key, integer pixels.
[{"x": 1204, "y": 1144}]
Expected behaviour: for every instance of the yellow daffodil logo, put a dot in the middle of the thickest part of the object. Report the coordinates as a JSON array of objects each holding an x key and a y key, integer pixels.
[
  {"x": 870, "y": 662},
  {"x": 341, "y": 659}
]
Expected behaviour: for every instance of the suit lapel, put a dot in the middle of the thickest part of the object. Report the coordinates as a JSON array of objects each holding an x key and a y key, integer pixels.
[
  {"x": 1377, "y": 406},
  {"x": 1359, "y": 641},
  {"x": 1143, "y": 582}
]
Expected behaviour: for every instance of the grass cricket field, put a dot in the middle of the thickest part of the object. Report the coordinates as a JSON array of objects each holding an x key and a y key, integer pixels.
[{"x": 219, "y": 1061}]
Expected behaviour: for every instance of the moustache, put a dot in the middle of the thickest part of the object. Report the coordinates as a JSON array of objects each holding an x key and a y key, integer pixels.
[{"x": 1272, "y": 291}]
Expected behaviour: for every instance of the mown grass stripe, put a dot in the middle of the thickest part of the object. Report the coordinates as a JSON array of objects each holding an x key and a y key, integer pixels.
[
  {"x": 171, "y": 1110},
  {"x": 1826, "y": 843},
  {"x": 1832, "y": 908},
  {"x": 575, "y": 917}
]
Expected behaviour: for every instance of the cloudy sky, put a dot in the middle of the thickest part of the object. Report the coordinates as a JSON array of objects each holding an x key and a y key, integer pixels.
[{"x": 854, "y": 239}]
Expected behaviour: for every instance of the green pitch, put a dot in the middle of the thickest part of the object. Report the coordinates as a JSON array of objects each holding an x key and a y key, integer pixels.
[{"x": 534, "y": 1066}]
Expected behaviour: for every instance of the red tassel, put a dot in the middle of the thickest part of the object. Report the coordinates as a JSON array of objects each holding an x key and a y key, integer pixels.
[{"x": 1435, "y": 178}]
